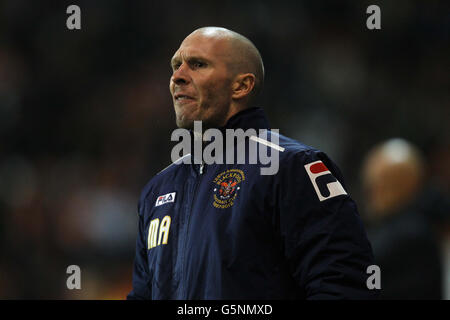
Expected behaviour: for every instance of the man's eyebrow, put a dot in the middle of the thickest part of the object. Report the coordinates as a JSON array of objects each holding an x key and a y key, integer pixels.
[
  {"x": 177, "y": 59},
  {"x": 195, "y": 58}
]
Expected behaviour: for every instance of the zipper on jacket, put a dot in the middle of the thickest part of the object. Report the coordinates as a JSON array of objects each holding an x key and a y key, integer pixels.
[{"x": 183, "y": 266}]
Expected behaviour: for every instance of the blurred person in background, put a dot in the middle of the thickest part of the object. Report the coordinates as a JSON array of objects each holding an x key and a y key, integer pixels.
[{"x": 401, "y": 217}]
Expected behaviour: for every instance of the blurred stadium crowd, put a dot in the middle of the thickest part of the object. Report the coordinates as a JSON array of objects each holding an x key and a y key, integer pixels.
[{"x": 86, "y": 117}]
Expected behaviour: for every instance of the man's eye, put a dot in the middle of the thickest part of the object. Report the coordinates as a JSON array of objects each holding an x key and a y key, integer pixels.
[
  {"x": 198, "y": 64},
  {"x": 176, "y": 66}
]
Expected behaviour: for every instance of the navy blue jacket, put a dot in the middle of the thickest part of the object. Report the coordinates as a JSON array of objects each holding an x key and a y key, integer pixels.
[{"x": 225, "y": 231}]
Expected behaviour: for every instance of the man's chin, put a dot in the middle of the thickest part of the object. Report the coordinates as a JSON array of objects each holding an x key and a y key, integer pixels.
[
  {"x": 185, "y": 123},
  {"x": 185, "y": 115}
]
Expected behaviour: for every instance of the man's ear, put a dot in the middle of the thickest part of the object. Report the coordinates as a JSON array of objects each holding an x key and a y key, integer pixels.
[{"x": 243, "y": 85}]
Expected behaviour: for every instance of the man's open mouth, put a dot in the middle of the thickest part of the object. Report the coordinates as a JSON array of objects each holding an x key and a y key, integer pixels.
[{"x": 181, "y": 97}]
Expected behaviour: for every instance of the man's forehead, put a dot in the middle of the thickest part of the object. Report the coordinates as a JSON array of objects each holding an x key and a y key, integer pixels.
[
  {"x": 201, "y": 45},
  {"x": 184, "y": 52}
]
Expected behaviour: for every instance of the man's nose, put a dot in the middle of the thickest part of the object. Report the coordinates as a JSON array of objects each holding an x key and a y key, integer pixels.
[{"x": 180, "y": 76}]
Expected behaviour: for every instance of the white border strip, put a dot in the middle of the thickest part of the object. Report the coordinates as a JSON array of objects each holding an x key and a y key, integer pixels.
[{"x": 267, "y": 143}]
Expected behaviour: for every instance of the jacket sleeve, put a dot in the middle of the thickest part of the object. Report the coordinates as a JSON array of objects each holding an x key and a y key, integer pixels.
[
  {"x": 324, "y": 240},
  {"x": 141, "y": 280}
]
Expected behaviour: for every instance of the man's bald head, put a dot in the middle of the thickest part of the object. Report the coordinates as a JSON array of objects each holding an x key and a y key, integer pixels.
[{"x": 242, "y": 55}]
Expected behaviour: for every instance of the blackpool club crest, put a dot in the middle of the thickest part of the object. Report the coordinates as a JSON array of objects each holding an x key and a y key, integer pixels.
[{"x": 226, "y": 187}]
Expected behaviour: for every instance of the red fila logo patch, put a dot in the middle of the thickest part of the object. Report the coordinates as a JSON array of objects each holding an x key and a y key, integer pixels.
[
  {"x": 170, "y": 197},
  {"x": 324, "y": 183}
]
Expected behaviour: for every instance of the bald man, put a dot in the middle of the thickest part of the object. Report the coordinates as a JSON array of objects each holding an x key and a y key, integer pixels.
[
  {"x": 393, "y": 175},
  {"x": 225, "y": 230},
  {"x": 216, "y": 73},
  {"x": 403, "y": 239}
]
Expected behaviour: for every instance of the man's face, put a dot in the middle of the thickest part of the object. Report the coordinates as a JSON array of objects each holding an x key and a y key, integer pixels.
[{"x": 201, "y": 82}]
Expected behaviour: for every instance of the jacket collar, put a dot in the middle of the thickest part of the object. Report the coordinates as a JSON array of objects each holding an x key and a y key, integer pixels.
[{"x": 250, "y": 118}]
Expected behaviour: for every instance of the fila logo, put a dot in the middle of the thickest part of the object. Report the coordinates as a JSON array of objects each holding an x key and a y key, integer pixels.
[
  {"x": 170, "y": 197},
  {"x": 325, "y": 184}
]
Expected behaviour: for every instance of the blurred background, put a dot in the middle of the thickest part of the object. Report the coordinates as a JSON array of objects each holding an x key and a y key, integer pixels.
[{"x": 86, "y": 118}]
